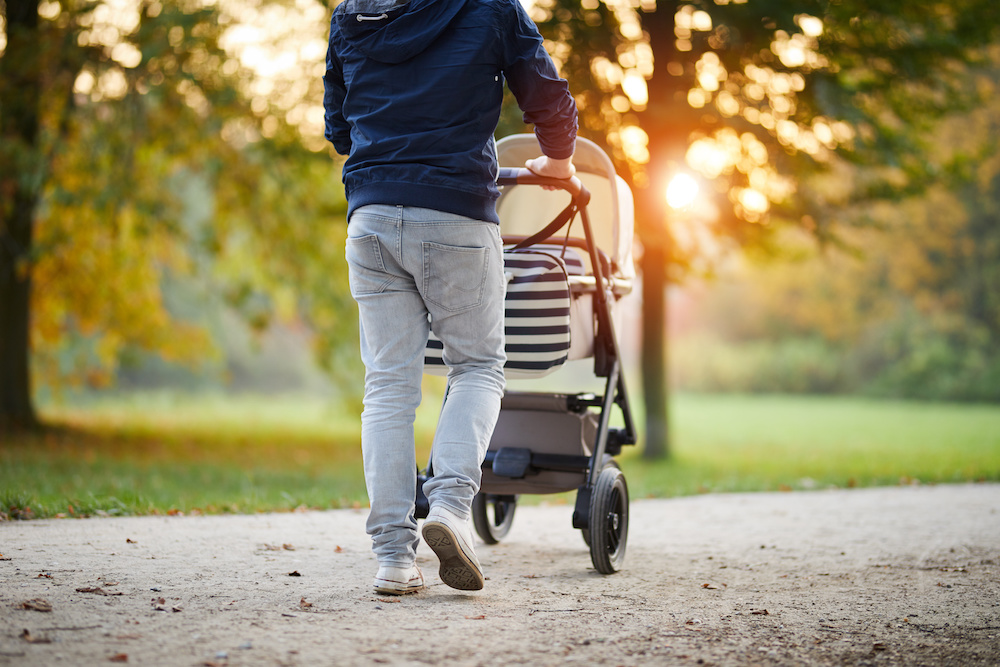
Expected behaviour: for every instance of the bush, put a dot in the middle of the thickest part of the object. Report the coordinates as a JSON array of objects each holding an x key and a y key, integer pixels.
[
  {"x": 802, "y": 365},
  {"x": 894, "y": 362},
  {"x": 916, "y": 358}
]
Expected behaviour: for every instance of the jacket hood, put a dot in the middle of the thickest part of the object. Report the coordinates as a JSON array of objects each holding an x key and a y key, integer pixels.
[{"x": 393, "y": 31}]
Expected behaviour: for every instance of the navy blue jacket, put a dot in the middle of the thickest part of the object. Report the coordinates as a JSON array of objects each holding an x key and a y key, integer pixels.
[{"x": 413, "y": 93}]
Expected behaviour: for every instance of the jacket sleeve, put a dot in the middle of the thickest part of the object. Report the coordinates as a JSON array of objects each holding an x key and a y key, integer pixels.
[
  {"x": 543, "y": 96},
  {"x": 338, "y": 130}
]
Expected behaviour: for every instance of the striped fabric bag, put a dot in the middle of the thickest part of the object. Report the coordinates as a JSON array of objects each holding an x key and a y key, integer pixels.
[{"x": 536, "y": 313}]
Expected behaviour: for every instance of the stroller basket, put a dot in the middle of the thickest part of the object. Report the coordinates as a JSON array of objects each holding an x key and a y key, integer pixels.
[{"x": 541, "y": 444}]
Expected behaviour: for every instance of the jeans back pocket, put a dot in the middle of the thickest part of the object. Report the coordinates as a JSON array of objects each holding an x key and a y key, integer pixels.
[
  {"x": 455, "y": 276},
  {"x": 366, "y": 270}
]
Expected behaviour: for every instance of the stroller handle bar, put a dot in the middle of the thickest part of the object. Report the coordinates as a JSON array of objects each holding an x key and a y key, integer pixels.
[{"x": 522, "y": 176}]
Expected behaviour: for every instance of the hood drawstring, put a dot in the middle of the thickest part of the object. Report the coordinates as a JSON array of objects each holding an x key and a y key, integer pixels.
[{"x": 372, "y": 18}]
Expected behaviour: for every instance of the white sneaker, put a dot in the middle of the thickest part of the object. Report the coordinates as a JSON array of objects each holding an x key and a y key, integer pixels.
[
  {"x": 398, "y": 580},
  {"x": 451, "y": 539}
]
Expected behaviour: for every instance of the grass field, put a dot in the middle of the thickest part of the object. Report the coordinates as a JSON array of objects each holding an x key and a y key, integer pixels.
[
  {"x": 752, "y": 443},
  {"x": 168, "y": 453}
]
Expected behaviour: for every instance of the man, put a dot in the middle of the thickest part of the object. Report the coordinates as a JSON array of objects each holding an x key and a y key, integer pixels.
[{"x": 413, "y": 95}]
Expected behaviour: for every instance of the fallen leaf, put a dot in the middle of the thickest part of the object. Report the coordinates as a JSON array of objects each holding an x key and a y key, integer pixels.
[
  {"x": 119, "y": 657},
  {"x": 271, "y": 547},
  {"x": 338, "y": 549},
  {"x": 32, "y": 639},
  {"x": 304, "y": 605},
  {"x": 709, "y": 587},
  {"x": 879, "y": 646},
  {"x": 294, "y": 573},
  {"x": 176, "y": 608},
  {"x": 129, "y": 540},
  {"x": 44, "y": 575},
  {"x": 97, "y": 591},
  {"x": 175, "y": 513},
  {"x": 288, "y": 547},
  {"x": 37, "y": 604},
  {"x": 530, "y": 576},
  {"x": 760, "y": 612},
  {"x": 481, "y": 617},
  {"x": 159, "y": 604}
]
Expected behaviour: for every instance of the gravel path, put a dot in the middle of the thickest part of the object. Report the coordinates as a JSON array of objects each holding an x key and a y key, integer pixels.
[{"x": 900, "y": 576}]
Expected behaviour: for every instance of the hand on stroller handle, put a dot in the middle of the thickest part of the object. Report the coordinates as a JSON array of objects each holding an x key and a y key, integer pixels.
[{"x": 524, "y": 176}]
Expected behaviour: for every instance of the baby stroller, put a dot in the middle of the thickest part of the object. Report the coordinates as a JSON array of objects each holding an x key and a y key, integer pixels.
[{"x": 561, "y": 296}]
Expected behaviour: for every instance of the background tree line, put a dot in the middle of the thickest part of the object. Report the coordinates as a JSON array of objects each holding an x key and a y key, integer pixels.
[
  {"x": 907, "y": 307},
  {"x": 149, "y": 144}
]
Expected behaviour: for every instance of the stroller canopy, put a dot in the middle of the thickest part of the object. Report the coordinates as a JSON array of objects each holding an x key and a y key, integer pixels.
[{"x": 524, "y": 209}]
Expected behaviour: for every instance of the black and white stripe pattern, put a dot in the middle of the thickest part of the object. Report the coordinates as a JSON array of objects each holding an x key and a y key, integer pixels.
[
  {"x": 536, "y": 312},
  {"x": 570, "y": 256}
]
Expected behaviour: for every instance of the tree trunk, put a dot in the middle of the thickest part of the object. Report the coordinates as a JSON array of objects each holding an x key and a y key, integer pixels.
[
  {"x": 664, "y": 123},
  {"x": 20, "y": 85},
  {"x": 655, "y": 384}
]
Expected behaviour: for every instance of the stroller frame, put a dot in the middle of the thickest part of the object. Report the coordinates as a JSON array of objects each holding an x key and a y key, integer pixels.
[{"x": 601, "y": 507}]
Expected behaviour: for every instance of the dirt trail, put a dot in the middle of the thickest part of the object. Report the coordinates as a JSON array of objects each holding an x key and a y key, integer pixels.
[{"x": 902, "y": 576}]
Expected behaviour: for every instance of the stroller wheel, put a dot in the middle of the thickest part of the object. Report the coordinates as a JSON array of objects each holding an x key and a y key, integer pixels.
[
  {"x": 608, "y": 530},
  {"x": 585, "y": 532},
  {"x": 492, "y": 516}
]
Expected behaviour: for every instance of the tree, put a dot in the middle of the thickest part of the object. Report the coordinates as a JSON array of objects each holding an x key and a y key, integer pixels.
[
  {"x": 759, "y": 98},
  {"x": 908, "y": 312},
  {"x": 118, "y": 122},
  {"x": 20, "y": 70}
]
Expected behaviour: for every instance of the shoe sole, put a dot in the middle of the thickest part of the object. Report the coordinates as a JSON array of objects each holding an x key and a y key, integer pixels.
[
  {"x": 386, "y": 587},
  {"x": 384, "y": 590},
  {"x": 457, "y": 569}
]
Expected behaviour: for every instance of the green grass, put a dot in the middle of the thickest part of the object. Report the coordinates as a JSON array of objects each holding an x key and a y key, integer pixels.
[
  {"x": 162, "y": 453},
  {"x": 165, "y": 453},
  {"x": 725, "y": 443}
]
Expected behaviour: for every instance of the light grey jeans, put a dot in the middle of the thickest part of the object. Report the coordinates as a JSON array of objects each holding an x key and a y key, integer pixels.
[{"x": 412, "y": 269}]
